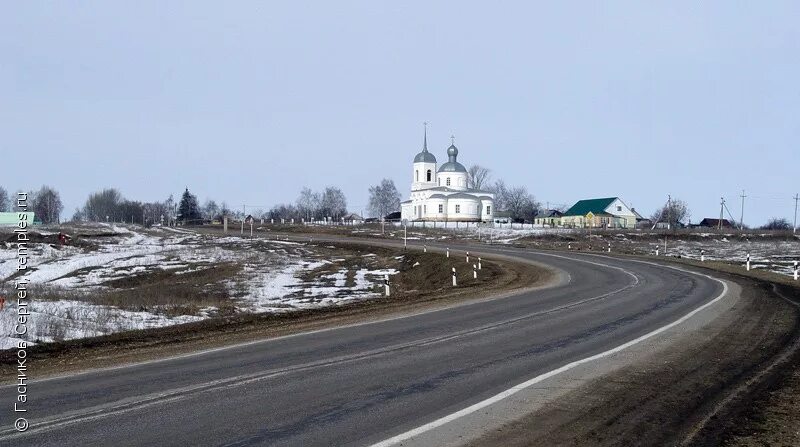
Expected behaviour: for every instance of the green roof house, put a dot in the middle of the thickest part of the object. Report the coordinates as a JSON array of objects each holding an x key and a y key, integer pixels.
[{"x": 609, "y": 212}]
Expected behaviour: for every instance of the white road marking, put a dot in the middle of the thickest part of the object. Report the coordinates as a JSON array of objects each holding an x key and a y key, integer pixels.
[{"x": 527, "y": 384}]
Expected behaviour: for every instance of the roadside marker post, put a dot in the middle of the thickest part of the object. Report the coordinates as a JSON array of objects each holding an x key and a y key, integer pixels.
[
  {"x": 569, "y": 246},
  {"x": 479, "y": 265},
  {"x": 467, "y": 257},
  {"x": 424, "y": 248},
  {"x": 609, "y": 247},
  {"x": 448, "y": 252},
  {"x": 748, "y": 262},
  {"x": 656, "y": 251},
  {"x": 702, "y": 256},
  {"x": 474, "y": 271},
  {"x": 454, "y": 276},
  {"x": 795, "y": 270},
  {"x": 386, "y": 283}
]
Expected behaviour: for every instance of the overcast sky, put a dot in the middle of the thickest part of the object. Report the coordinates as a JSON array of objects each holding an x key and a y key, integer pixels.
[{"x": 249, "y": 102}]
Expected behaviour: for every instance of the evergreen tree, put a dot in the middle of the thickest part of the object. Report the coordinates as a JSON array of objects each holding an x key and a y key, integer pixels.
[{"x": 188, "y": 210}]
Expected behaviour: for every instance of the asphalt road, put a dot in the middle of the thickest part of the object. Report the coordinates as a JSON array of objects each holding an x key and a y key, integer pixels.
[{"x": 361, "y": 384}]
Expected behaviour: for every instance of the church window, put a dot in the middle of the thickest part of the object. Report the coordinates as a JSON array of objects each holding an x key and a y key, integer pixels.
[
  {"x": 448, "y": 181},
  {"x": 429, "y": 175},
  {"x": 458, "y": 209},
  {"x": 415, "y": 209},
  {"x": 488, "y": 209},
  {"x": 416, "y": 176},
  {"x": 441, "y": 209},
  {"x": 424, "y": 209}
]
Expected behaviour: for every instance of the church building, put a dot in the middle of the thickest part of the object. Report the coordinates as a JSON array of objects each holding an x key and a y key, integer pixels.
[{"x": 442, "y": 194}]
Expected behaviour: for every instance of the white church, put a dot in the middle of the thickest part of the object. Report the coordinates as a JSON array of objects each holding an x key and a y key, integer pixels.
[{"x": 442, "y": 195}]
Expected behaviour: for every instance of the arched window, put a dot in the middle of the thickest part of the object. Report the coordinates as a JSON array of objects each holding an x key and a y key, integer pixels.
[
  {"x": 448, "y": 181},
  {"x": 429, "y": 175},
  {"x": 416, "y": 176}
]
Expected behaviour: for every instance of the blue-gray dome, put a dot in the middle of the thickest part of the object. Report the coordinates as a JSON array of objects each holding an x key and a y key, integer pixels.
[
  {"x": 452, "y": 151},
  {"x": 425, "y": 157},
  {"x": 452, "y": 166}
]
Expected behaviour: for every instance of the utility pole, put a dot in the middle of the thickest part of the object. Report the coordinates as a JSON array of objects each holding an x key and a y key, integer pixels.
[
  {"x": 796, "y": 198},
  {"x": 741, "y": 219},
  {"x": 244, "y": 207},
  {"x": 721, "y": 208},
  {"x": 669, "y": 215}
]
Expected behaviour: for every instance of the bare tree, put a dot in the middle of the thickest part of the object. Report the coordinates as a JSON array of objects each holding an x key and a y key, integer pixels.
[
  {"x": 210, "y": 210},
  {"x": 5, "y": 204},
  {"x": 308, "y": 203},
  {"x": 103, "y": 205},
  {"x": 333, "y": 203},
  {"x": 284, "y": 211},
  {"x": 478, "y": 177},
  {"x": 777, "y": 223},
  {"x": 675, "y": 213},
  {"x": 500, "y": 191},
  {"x": 521, "y": 204},
  {"x": 383, "y": 198},
  {"x": 47, "y": 205}
]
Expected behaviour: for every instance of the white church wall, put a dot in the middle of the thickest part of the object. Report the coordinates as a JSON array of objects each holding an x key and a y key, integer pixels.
[
  {"x": 458, "y": 180},
  {"x": 420, "y": 175}
]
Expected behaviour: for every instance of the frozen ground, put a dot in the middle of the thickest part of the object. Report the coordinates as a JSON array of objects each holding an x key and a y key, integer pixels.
[{"x": 269, "y": 278}]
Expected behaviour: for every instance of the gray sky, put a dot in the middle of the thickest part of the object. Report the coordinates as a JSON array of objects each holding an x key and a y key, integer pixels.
[{"x": 248, "y": 102}]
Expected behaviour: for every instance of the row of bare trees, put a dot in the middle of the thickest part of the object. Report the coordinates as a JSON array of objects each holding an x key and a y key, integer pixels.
[
  {"x": 45, "y": 203},
  {"x": 312, "y": 205}
]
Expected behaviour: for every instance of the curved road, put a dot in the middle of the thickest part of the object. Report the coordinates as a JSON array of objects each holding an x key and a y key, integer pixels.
[{"x": 361, "y": 384}]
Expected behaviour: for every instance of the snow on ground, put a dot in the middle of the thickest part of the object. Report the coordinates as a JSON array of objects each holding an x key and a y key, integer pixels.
[
  {"x": 269, "y": 282},
  {"x": 775, "y": 255}
]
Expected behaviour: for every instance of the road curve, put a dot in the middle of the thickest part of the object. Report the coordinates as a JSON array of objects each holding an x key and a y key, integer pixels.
[{"x": 361, "y": 384}]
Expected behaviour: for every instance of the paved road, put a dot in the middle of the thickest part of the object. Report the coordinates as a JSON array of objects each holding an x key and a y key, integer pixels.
[{"x": 361, "y": 384}]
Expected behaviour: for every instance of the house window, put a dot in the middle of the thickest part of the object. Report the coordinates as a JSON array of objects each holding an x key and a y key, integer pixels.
[
  {"x": 488, "y": 209},
  {"x": 429, "y": 175},
  {"x": 424, "y": 209},
  {"x": 448, "y": 181},
  {"x": 441, "y": 209},
  {"x": 619, "y": 208},
  {"x": 415, "y": 209},
  {"x": 458, "y": 209},
  {"x": 416, "y": 176}
]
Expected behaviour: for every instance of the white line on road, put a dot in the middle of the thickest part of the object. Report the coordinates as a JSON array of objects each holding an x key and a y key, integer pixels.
[{"x": 527, "y": 384}]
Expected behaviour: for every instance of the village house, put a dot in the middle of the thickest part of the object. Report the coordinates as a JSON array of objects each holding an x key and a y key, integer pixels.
[{"x": 609, "y": 212}]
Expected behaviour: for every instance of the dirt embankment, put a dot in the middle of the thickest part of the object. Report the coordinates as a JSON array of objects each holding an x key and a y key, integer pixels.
[
  {"x": 423, "y": 281},
  {"x": 733, "y": 383}
]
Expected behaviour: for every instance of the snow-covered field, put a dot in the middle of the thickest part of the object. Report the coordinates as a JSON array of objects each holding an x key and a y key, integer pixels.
[
  {"x": 269, "y": 277},
  {"x": 774, "y": 255}
]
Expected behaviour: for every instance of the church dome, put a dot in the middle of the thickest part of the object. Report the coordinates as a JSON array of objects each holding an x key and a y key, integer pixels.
[
  {"x": 452, "y": 165},
  {"x": 452, "y": 151},
  {"x": 425, "y": 157}
]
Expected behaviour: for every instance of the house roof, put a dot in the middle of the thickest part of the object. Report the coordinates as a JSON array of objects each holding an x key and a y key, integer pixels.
[
  {"x": 711, "y": 222},
  {"x": 595, "y": 206}
]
